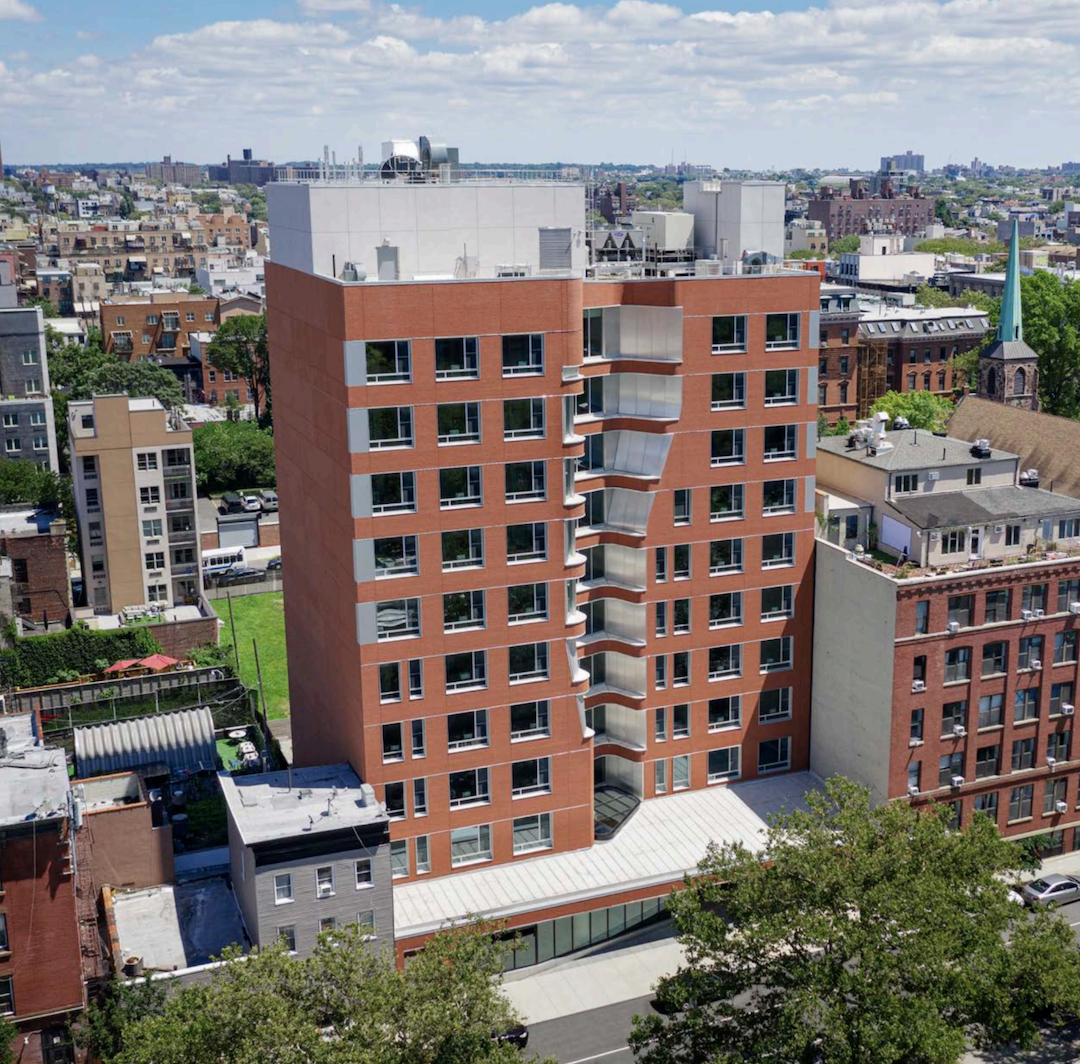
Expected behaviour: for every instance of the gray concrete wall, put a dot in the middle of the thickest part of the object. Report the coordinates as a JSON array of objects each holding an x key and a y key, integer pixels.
[
  {"x": 307, "y": 910},
  {"x": 851, "y": 704},
  {"x": 23, "y": 331}
]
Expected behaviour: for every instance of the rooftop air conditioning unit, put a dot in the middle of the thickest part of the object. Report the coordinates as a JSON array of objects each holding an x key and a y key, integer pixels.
[
  {"x": 998, "y": 529},
  {"x": 1061, "y": 807},
  {"x": 915, "y": 742},
  {"x": 959, "y": 731},
  {"x": 1074, "y": 607},
  {"x": 1068, "y": 709},
  {"x": 1026, "y": 615},
  {"x": 1040, "y": 614},
  {"x": 913, "y": 791},
  {"x": 956, "y": 781},
  {"x": 1036, "y": 663},
  {"x": 954, "y": 626},
  {"x": 918, "y": 685}
]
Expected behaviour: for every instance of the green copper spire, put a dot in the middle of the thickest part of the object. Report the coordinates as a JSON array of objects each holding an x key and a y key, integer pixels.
[{"x": 1011, "y": 322}]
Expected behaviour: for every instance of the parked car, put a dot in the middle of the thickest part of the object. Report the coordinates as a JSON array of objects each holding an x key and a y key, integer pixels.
[
  {"x": 240, "y": 574},
  {"x": 1052, "y": 890},
  {"x": 517, "y": 1036},
  {"x": 274, "y": 565},
  {"x": 252, "y": 504},
  {"x": 232, "y": 503},
  {"x": 269, "y": 500}
]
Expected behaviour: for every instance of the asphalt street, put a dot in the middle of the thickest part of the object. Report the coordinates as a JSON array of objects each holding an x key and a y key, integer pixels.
[{"x": 600, "y": 1035}]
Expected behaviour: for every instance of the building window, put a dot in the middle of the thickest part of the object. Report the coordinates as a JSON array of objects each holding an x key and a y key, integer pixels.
[
  {"x": 680, "y": 772},
  {"x": 523, "y": 355},
  {"x": 1020, "y": 801},
  {"x": 365, "y": 875},
  {"x": 778, "y": 497},
  {"x": 1068, "y": 593},
  {"x": 994, "y": 658},
  {"x": 470, "y": 845},
  {"x": 288, "y": 935},
  {"x": 1069, "y": 528},
  {"x": 1033, "y": 597},
  {"x": 781, "y": 331},
  {"x": 725, "y": 556},
  {"x": 463, "y": 549},
  {"x": 392, "y": 748},
  {"x": 997, "y": 606},
  {"x": 283, "y": 889},
  {"x": 957, "y": 664},
  {"x": 523, "y": 419},
  {"x": 390, "y": 682},
  {"x": 778, "y": 550},
  {"x": 527, "y": 602},
  {"x": 423, "y": 855},
  {"x": 146, "y": 460},
  {"x": 469, "y": 786},
  {"x": 396, "y": 556},
  {"x": 397, "y": 618},
  {"x": 991, "y": 711},
  {"x": 777, "y": 654},
  {"x": 528, "y": 661},
  {"x": 781, "y": 387},
  {"x": 526, "y": 543},
  {"x": 1030, "y": 652},
  {"x": 1057, "y": 746},
  {"x": 530, "y": 777},
  {"x": 728, "y": 391},
  {"x": 950, "y": 765},
  {"x": 388, "y": 361},
  {"x": 681, "y": 560},
  {"x": 154, "y": 560},
  {"x": 395, "y": 800},
  {"x": 729, "y": 333},
  {"x": 529, "y": 720},
  {"x": 777, "y": 602},
  {"x": 466, "y": 671},
  {"x": 1023, "y": 754},
  {"x": 457, "y": 358},
  {"x": 917, "y": 719},
  {"x": 399, "y": 858},
  {"x": 1012, "y": 535},
  {"x": 458, "y": 423},
  {"x": 460, "y": 486},
  {"x": 725, "y": 713},
  {"x": 1053, "y": 793},
  {"x": 324, "y": 882},
  {"x": 726, "y": 502},
  {"x": 150, "y": 496},
  {"x": 532, "y": 833},
  {"x": 728, "y": 447},
  {"x": 780, "y": 443},
  {"x": 393, "y": 493},
  {"x": 390, "y": 426},
  {"x": 525, "y": 481},
  {"x": 953, "y": 716},
  {"x": 418, "y": 731},
  {"x": 961, "y": 610},
  {"x": 1065, "y": 647},
  {"x": 681, "y": 506},
  {"x": 467, "y": 730},
  {"x": 774, "y": 705},
  {"x": 660, "y": 777},
  {"x": 986, "y": 803},
  {"x": 774, "y": 755},
  {"x": 725, "y": 609},
  {"x": 680, "y": 721},
  {"x": 416, "y": 678},
  {"x": 419, "y": 789},
  {"x": 725, "y": 661},
  {"x": 1026, "y": 706},
  {"x": 462, "y": 610}
]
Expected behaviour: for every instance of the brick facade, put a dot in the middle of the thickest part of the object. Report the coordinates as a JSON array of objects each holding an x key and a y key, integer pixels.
[{"x": 41, "y": 588}]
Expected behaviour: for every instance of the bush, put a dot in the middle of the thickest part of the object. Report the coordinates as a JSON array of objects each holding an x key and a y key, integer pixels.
[
  {"x": 213, "y": 656},
  {"x": 42, "y": 659},
  {"x": 231, "y": 455}
]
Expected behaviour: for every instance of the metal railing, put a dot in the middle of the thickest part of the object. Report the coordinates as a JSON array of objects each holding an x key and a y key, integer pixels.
[{"x": 351, "y": 174}]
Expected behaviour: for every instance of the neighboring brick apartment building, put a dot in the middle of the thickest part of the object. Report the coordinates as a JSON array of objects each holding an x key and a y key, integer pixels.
[
  {"x": 174, "y": 173},
  {"x": 134, "y": 481},
  {"x": 41, "y": 979},
  {"x": 26, "y": 410},
  {"x": 549, "y": 539},
  {"x": 36, "y": 543},
  {"x": 859, "y": 212},
  {"x": 952, "y": 678}
]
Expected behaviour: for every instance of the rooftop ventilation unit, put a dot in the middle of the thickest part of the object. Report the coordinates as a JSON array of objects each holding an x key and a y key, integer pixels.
[
  {"x": 981, "y": 448},
  {"x": 1029, "y": 478}
]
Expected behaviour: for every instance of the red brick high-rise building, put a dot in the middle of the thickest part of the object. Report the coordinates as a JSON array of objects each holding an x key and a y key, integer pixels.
[{"x": 549, "y": 538}]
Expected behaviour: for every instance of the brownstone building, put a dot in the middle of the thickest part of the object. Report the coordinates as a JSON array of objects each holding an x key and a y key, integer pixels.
[
  {"x": 35, "y": 541},
  {"x": 859, "y": 213}
]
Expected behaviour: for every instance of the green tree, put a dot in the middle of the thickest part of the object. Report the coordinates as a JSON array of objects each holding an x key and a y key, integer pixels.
[
  {"x": 102, "y": 1027},
  {"x": 48, "y": 308},
  {"x": 240, "y": 346},
  {"x": 231, "y": 455},
  {"x": 8, "y": 1033},
  {"x": 126, "y": 209},
  {"x": 841, "y": 428},
  {"x": 844, "y": 245},
  {"x": 1052, "y": 328},
  {"x": 344, "y": 1004},
  {"x": 957, "y": 245},
  {"x": 803, "y": 253},
  {"x": 923, "y": 410},
  {"x": 137, "y": 379},
  {"x": 196, "y": 289},
  {"x": 944, "y": 213},
  {"x": 873, "y": 935},
  {"x": 209, "y": 202}
]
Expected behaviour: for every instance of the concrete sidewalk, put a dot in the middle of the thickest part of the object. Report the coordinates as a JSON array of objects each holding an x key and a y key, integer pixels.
[
  {"x": 1066, "y": 864},
  {"x": 592, "y": 982}
]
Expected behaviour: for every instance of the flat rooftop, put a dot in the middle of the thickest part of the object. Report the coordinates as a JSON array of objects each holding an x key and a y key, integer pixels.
[
  {"x": 28, "y": 521},
  {"x": 982, "y": 506},
  {"x": 325, "y": 798},
  {"x": 176, "y": 927},
  {"x": 33, "y": 777},
  {"x": 662, "y": 842},
  {"x": 912, "y": 449}
]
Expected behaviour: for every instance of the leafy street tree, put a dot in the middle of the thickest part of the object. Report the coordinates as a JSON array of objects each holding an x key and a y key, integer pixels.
[
  {"x": 923, "y": 410},
  {"x": 70, "y": 364},
  {"x": 1052, "y": 328},
  {"x": 937, "y": 297},
  {"x": 344, "y": 1004},
  {"x": 122, "y": 1006},
  {"x": 239, "y": 346},
  {"x": 844, "y": 245},
  {"x": 874, "y": 935},
  {"x": 137, "y": 379},
  {"x": 48, "y": 308},
  {"x": 230, "y": 455}
]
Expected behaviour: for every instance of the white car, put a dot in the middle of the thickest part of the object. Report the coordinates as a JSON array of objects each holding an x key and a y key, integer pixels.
[{"x": 252, "y": 503}]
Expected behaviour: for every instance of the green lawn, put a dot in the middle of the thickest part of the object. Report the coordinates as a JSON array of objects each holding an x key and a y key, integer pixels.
[{"x": 261, "y": 617}]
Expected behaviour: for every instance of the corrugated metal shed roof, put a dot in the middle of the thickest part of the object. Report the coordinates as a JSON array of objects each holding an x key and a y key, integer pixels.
[{"x": 183, "y": 740}]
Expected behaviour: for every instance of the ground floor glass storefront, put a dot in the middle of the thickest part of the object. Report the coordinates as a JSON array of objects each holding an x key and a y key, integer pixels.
[{"x": 555, "y": 938}]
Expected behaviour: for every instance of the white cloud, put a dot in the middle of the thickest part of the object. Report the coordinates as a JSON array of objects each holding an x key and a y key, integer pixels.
[
  {"x": 18, "y": 10},
  {"x": 631, "y": 80}
]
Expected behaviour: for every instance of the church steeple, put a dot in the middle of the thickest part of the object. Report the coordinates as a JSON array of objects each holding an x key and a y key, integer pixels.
[{"x": 1011, "y": 322}]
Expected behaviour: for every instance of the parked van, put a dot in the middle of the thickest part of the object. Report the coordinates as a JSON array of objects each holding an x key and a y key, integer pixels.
[{"x": 232, "y": 502}]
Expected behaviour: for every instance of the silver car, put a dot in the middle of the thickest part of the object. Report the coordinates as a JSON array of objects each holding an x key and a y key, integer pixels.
[{"x": 1052, "y": 890}]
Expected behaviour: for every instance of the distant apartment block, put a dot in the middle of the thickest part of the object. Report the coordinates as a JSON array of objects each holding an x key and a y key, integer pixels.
[
  {"x": 550, "y": 538},
  {"x": 244, "y": 171},
  {"x": 26, "y": 410},
  {"x": 907, "y": 160},
  {"x": 859, "y": 213},
  {"x": 174, "y": 173},
  {"x": 134, "y": 482}
]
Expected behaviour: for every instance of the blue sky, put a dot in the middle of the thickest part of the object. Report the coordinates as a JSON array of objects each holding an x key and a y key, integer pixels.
[{"x": 755, "y": 83}]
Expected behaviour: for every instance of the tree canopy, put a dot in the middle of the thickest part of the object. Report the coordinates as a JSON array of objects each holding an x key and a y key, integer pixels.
[
  {"x": 1051, "y": 310},
  {"x": 343, "y": 1004},
  {"x": 137, "y": 379},
  {"x": 923, "y": 410},
  {"x": 959, "y": 245},
  {"x": 873, "y": 935},
  {"x": 240, "y": 347},
  {"x": 230, "y": 455},
  {"x": 844, "y": 245}
]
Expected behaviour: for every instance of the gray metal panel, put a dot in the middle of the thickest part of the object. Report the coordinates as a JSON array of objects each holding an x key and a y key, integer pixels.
[
  {"x": 811, "y": 384},
  {"x": 355, "y": 362},
  {"x": 365, "y": 623},
  {"x": 386, "y": 258},
  {"x": 183, "y": 740},
  {"x": 810, "y": 502},
  {"x": 239, "y": 533},
  {"x": 358, "y": 431},
  {"x": 360, "y": 491},
  {"x": 555, "y": 251},
  {"x": 363, "y": 560},
  {"x": 815, "y": 330},
  {"x": 811, "y": 439}
]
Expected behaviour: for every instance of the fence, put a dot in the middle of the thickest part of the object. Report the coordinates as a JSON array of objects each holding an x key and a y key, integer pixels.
[{"x": 271, "y": 581}]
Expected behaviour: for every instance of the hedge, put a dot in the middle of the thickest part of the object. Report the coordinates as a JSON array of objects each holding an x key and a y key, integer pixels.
[{"x": 42, "y": 659}]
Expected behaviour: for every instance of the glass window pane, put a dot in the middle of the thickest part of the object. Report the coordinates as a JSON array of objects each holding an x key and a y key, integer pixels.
[
  {"x": 581, "y": 930},
  {"x": 545, "y": 941},
  {"x": 598, "y": 922},
  {"x": 563, "y": 936}
]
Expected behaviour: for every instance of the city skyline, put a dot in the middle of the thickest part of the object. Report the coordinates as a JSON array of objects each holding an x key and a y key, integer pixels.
[{"x": 551, "y": 81}]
